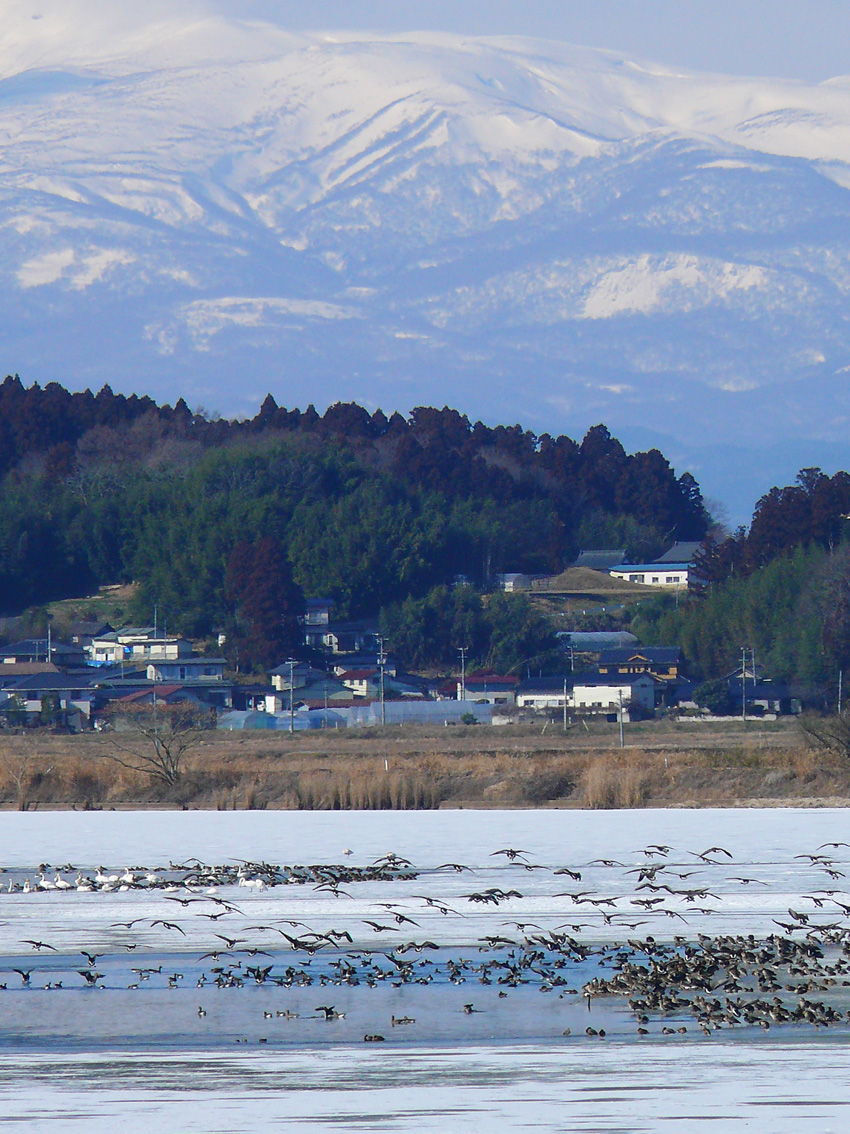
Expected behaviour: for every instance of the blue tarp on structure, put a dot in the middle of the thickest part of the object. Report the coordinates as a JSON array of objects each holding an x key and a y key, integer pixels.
[
  {"x": 302, "y": 720},
  {"x": 250, "y": 719},
  {"x": 418, "y": 712}
]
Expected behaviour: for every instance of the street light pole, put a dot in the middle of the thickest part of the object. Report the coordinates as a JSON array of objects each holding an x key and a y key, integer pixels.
[
  {"x": 462, "y": 650},
  {"x": 291, "y": 664},
  {"x": 620, "y": 717},
  {"x": 382, "y": 659}
]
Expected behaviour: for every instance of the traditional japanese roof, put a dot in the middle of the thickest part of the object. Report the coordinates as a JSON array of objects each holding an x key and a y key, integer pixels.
[
  {"x": 545, "y": 684},
  {"x": 19, "y": 669},
  {"x": 162, "y": 691},
  {"x": 492, "y": 679},
  {"x": 683, "y": 552},
  {"x": 54, "y": 682},
  {"x": 654, "y": 655},
  {"x": 602, "y": 560}
]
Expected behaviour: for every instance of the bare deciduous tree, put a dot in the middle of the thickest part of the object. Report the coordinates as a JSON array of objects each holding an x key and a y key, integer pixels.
[
  {"x": 155, "y": 738},
  {"x": 24, "y": 778},
  {"x": 828, "y": 734}
]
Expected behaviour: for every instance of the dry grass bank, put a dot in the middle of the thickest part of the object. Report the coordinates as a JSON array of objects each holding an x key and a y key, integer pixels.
[{"x": 521, "y": 766}]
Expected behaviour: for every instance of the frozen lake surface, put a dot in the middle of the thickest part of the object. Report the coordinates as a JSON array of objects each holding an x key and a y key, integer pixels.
[
  {"x": 783, "y": 1089},
  {"x": 171, "y": 1027}
]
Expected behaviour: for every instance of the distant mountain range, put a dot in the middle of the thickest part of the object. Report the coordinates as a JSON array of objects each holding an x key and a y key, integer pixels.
[{"x": 215, "y": 208}]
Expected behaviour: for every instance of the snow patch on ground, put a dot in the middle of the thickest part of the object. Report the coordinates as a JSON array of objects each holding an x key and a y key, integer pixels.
[
  {"x": 679, "y": 282},
  {"x": 207, "y": 317},
  {"x": 45, "y": 269}
]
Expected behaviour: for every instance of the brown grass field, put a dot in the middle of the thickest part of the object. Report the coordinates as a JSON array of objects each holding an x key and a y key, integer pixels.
[{"x": 664, "y": 764}]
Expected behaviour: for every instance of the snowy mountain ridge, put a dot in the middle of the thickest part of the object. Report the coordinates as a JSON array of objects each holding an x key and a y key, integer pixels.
[{"x": 207, "y": 206}]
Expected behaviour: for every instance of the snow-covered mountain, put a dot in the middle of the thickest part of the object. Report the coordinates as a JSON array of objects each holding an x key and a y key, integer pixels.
[{"x": 201, "y": 205}]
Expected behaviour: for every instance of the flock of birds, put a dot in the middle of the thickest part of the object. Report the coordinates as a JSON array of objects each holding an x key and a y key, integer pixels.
[{"x": 674, "y": 980}]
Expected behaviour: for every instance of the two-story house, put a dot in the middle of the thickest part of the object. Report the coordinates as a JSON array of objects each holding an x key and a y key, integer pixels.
[{"x": 664, "y": 662}]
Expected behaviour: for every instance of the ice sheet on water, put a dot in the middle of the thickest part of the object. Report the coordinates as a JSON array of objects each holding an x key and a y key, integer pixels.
[
  {"x": 450, "y": 1070},
  {"x": 779, "y": 1088},
  {"x": 748, "y": 892}
]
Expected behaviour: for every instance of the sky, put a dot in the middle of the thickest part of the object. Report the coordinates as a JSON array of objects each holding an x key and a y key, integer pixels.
[{"x": 789, "y": 39}]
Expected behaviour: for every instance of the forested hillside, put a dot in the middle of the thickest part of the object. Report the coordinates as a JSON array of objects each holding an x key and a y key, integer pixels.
[
  {"x": 781, "y": 587},
  {"x": 366, "y": 509}
]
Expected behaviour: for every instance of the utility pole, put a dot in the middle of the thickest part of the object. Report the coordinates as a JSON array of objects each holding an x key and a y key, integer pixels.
[
  {"x": 743, "y": 683},
  {"x": 291, "y": 664},
  {"x": 382, "y": 660},
  {"x": 49, "y": 641},
  {"x": 463, "y": 650},
  {"x": 565, "y": 704},
  {"x": 620, "y": 717}
]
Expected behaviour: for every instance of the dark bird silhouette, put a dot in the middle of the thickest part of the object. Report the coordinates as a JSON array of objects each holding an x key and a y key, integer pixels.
[
  {"x": 786, "y": 926},
  {"x": 230, "y": 942},
  {"x": 169, "y": 925},
  {"x": 38, "y": 945},
  {"x": 91, "y": 976}
]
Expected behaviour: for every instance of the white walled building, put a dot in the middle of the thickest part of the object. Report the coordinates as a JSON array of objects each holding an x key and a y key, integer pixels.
[
  {"x": 671, "y": 575},
  {"x": 136, "y": 644},
  {"x": 606, "y": 694}
]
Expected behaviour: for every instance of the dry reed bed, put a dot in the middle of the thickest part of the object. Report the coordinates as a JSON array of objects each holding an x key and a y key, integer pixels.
[{"x": 428, "y": 770}]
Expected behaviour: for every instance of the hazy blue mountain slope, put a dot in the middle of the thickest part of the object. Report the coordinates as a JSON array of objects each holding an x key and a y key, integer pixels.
[{"x": 214, "y": 208}]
